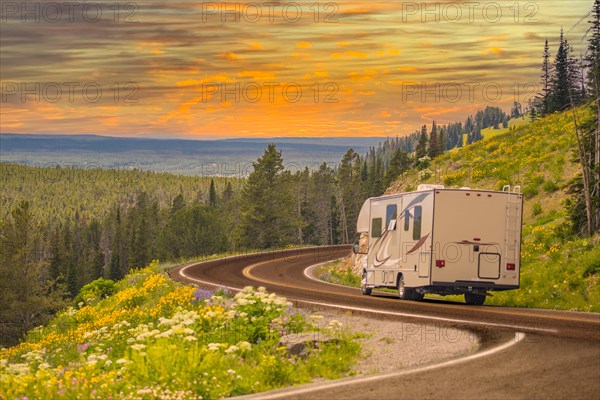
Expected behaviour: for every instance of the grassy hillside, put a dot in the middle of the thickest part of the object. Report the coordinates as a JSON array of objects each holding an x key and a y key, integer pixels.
[
  {"x": 153, "y": 338},
  {"x": 558, "y": 270}
]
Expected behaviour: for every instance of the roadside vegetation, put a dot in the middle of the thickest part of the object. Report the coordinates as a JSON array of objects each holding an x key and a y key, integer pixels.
[
  {"x": 339, "y": 272},
  {"x": 147, "y": 337}
]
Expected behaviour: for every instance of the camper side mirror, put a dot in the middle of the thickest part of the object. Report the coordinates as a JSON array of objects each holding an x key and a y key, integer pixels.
[{"x": 355, "y": 248}]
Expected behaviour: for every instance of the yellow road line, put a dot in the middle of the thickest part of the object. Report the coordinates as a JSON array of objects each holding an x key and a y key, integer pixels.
[{"x": 247, "y": 274}]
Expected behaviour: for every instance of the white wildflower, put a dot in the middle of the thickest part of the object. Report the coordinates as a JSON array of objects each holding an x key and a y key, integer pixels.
[
  {"x": 232, "y": 349},
  {"x": 244, "y": 345},
  {"x": 138, "y": 346},
  {"x": 214, "y": 346}
]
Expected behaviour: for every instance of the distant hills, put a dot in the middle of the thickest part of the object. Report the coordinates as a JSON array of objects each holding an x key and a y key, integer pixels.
[{"x": 188, "y": 157}]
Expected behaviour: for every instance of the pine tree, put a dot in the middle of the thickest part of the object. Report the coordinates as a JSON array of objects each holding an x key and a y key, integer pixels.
[
  {"x": 433, "y": 149},
  {"x": 116, "y": 270},
  {"x": 268, "y": 216},
  {"x": 212, "y": 194},
  {"x": 592, "y": 56},
  {"x": 517, "y": 110},
  {"x": 421, "y": 149},
  {"x": 228, "y": 193},
  {"x": 441, "y": 141},
  {"x": 29, "y": 297},
  {"x": 56, "y": 262},
  {"x": 349, "y": 192},
  {"x": 533, "y": 115},
  {"x": 561, "y": 84},
  {"x": 178, "y": 203},
  {"x": 399, "y": 164},
  {"x": 546, "y": 94},
  {"x": 575, "y": 76},
  {"x": 96, "y": 260}
]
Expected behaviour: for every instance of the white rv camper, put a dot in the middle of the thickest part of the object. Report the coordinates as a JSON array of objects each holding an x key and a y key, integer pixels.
[{"x": 444, "y": 241}]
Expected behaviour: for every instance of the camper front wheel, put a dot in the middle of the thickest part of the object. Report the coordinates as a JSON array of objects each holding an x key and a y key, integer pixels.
[
  {"x": 363, "y": 285},
  {"x": 474, "y": 298}
]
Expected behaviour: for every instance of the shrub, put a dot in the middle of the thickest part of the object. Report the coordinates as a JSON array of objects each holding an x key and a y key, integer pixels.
[
  {"x": 537, "y": 209},
  {"x": 550, "y": 186},
  {"x": 95, "y": 290},
  {"x": 530, "y": 190},
  {"x": 593, "y": 265}
]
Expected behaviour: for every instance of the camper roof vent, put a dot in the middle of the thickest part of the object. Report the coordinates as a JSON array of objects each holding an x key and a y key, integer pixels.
[
  {"x": 465, "y": 188},
  {"x": 421, "y": 188}
]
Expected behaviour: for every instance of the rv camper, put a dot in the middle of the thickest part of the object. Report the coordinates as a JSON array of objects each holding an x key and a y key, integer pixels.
[{"x": 444, "y": 241}]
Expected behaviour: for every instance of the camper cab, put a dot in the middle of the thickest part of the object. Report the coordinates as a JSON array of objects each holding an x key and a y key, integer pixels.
[{"x": 444, "y": 241}]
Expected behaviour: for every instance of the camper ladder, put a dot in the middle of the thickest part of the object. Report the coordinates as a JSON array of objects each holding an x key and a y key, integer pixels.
[{"x": 512, "y": 224}]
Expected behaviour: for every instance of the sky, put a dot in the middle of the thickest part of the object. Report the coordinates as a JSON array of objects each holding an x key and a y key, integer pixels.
[{"x": 205, "y": 70}]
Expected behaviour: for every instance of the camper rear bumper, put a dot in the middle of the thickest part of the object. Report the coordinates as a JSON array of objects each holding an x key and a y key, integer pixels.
[{"x": 466, "y": 286}]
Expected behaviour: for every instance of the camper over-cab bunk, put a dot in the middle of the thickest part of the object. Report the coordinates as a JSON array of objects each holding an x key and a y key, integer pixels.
[{"x": 442, "y": 241}]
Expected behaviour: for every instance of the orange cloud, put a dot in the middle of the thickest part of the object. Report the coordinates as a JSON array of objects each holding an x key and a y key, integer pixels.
[
  {"x": 231, "y": 56},
  {"x": 494, "y": 50},
  {"x": 263, "y": 76},
  {"x": 303, "y": 45},
  {"x": 350, "y": 53}
]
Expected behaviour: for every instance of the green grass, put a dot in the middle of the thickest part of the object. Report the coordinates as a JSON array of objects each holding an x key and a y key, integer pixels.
[
  {"x": 154, "y": 338},
  {"x": 490, "y": 132},
  {"x": 335, "y": 273}
]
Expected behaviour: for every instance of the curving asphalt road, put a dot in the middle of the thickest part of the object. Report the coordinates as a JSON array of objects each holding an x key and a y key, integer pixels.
[{"x": 558, "y": 358}]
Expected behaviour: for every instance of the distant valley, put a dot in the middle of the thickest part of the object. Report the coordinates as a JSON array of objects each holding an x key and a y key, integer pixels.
[{"x": 227, "y": 157}]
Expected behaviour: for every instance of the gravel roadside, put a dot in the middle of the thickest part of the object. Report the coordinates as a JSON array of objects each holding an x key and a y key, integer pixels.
[{"x": 389, "y": 345}]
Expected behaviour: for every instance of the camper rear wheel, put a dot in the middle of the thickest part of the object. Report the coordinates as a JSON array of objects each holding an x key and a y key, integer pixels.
[
  {"x": 475, "y": 299},
  {"x": 417, "y": 296},
  {"x": 363, "y": 285},
  {"x": 403, "y": 292}
]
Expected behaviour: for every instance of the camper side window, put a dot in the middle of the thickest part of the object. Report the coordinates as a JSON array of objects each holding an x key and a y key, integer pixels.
[
  {"x": 376, "y": 227},
  {"x": 406, "y": 220},
  {"x": 391, "y": 213},
  {"x": 417, "y": 223}
]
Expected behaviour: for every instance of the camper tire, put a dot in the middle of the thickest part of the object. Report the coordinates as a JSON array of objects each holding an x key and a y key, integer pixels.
[
  {"x": 417, "y": 296},
  {"x": 475, "y": 299},
  {"x": 403, "y": 292},
  {"x": 363, "y": 285}
]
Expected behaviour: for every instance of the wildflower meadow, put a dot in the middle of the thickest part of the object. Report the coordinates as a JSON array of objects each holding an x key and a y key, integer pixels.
[{"x": 154, "y": 338}]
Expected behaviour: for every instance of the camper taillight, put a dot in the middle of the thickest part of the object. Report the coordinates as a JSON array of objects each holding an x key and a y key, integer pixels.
[
  {"x": 510, "y": 267},
  {"x": 440, "y": 263}
]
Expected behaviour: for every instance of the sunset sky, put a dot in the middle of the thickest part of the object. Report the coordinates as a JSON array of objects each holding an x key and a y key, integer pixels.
[{"x": 194, "y": 69}]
